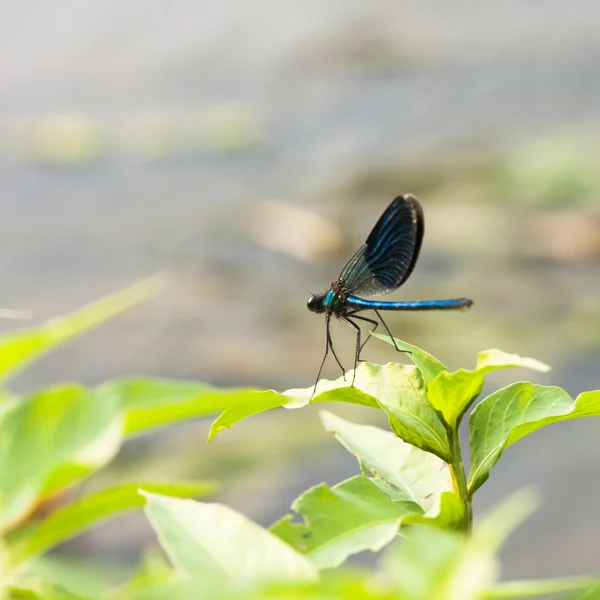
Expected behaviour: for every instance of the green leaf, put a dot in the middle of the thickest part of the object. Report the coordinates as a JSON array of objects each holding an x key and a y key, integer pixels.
[
  {"x": 151, "y": 403},
  {"x": 453, "y": 393},
  {"x": 418, "y": 476},
  {"x": 429, "y": 366},
  {"x": 20, "y": 348},
  {"x": 394, "y": 388},
  {"x": 254, "y": 402},
  {"x": 53, "y": 438},
  {"x": 401, "y": 393},
  {"x": 490, "y": 360},
  {"x": 251, "y": 403},
  {"x": 513, "y": 412},
  {"x": 88, "y": 512},
  {"x": 351, "y": 517},
  {"x": 214, "y": 542},
  {"x": 433, "y": 563}
]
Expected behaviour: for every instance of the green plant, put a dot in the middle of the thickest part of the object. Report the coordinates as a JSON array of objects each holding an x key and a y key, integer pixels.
[
  {"x": 413, "y": 493},
  {"x": 413, "y": 485},
  {"x": 54, "y": 439}
]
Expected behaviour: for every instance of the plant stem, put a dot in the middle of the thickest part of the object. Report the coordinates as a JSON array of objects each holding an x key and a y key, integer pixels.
[{"x": 459, "y": 479}]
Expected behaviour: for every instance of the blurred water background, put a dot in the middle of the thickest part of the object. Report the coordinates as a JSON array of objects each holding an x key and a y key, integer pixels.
[{"x": 246, "y": 149}]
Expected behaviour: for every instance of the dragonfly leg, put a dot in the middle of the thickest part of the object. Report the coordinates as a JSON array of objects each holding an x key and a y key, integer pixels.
[
  {"x": 390, "y": 333},
  {"x": 372, "y": 321},
  {"x": 328, "y": 345},
  {"x": 356, "y": 328},
  {"x": 337, "y": 360}
]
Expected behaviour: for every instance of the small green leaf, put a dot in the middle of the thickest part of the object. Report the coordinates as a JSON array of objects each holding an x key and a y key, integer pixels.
[
  {"x": 490, "y": 360},
  {"x": 20, "y": 348},
  {"x": 351, "y": 517},
  {"x": 88, "y": 512},
  {"x": 448, "y": 512},
  {"x": 429, "y": 366},
  {"x": 513, "y": 412},
  {"x": 214, "y": 542},
  {"x": 453, "y": 393},
  {"x": 151, "y": 403},
  {"x": 53, "y": 438},
  {"x": 418, "y": 476}
]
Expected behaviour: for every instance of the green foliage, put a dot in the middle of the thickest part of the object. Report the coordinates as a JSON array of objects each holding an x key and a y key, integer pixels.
[
  {"x": 213, "y": 542},
  {"x": 413, "y": 493},
  {"x": 93, "y": 509},
  {"x": 515, "y": 411},
  {"x": 53, "y": 439}
]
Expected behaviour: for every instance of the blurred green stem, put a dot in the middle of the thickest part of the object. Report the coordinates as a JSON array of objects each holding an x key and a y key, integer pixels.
[{"x": 459, "y": 479}]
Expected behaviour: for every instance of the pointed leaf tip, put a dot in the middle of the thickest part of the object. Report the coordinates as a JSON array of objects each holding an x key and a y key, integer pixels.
[{"x": 493, "y": 359}]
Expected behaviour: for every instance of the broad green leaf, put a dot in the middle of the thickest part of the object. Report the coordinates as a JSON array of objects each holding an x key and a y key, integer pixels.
[
  {"x": 53, "y": 438},
  {"x": 356, "y": 515},
  {"x": 418, "y": 476},
  {"x": 433, "y": 563},
  {"x": 351, "y": 517},
  {"x": 150, "y": 403},
  {"x": 398, "y": 390},
  {"x": 513, "y": 412},
  {"x": 88, "y": 512},
  {"x": 453, "y": 393},
  {"x": 401, "y": 393},
  {"x": 18, "y": 349},
  {"x": 215, "y": 542},
  {"x": 251, "y": 403},
  {"x": 429, "y": 366}
]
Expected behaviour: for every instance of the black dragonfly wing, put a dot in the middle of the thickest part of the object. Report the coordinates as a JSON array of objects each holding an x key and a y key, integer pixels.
[{"x": 385, "y": 261}]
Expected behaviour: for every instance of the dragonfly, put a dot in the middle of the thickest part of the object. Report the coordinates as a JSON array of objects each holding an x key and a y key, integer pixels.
[{"x": 381, "y": 265}]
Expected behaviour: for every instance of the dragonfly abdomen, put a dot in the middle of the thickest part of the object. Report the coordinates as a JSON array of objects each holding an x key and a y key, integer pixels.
[{"x": 451, "y": 304}]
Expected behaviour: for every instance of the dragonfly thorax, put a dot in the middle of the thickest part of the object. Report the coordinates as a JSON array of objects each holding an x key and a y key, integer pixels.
[{"x": 331, "y": 302}]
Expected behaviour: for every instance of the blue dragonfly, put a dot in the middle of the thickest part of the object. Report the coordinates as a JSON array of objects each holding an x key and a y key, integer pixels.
[{"x": 381, "y": 265}]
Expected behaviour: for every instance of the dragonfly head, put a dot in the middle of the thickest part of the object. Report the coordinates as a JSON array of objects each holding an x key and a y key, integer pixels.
[{"x": 316, "y": 303}]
